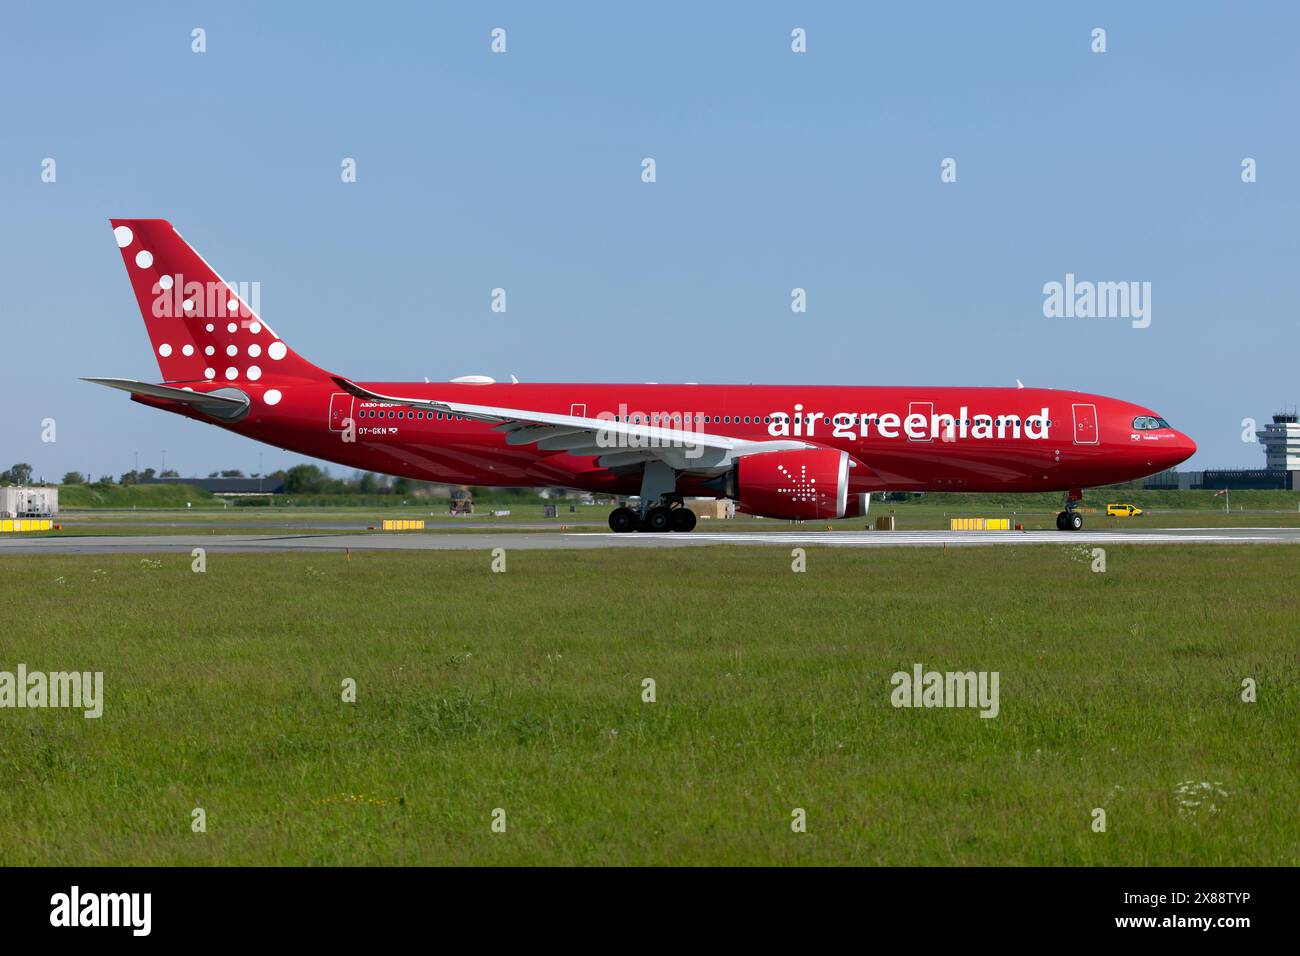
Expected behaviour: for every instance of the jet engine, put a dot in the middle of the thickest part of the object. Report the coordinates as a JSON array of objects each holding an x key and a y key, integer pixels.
[{"x": 808, "y": 483}]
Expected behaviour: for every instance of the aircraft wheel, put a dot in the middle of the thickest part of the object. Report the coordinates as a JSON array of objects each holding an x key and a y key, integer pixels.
[
  {"x": 622, "y": 520},
  {"x": 681, "y": 519},
  {"x": 1060, "y": 521},
  {"x": 1074, "y": 521},
  {"x": 656, "y": 520}
]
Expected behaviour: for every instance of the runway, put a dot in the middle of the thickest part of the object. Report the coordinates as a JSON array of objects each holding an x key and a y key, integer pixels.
[{"x": 476, "y": 541}]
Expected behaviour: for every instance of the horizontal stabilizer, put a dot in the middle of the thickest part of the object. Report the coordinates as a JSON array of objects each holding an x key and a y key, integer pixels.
[{"x": 224, "y": 403}]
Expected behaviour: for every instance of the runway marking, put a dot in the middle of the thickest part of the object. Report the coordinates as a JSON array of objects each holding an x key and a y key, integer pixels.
[
  {"x": 463, "y": 541},
  {"x": 960, "y": 538}
]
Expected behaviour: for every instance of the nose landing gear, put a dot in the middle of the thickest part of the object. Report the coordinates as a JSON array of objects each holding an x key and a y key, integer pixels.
[{"x": 1070, "y": 519}]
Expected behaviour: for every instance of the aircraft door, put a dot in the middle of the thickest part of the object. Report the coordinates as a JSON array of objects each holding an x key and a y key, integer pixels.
[
  {"x": 340, "y": 410},
  {"x": 1085, "y": 424},
  {"x": 921, "y": 408}
]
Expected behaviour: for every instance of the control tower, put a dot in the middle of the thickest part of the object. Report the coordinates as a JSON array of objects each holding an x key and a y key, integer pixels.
[{"x": 1281, "y": 441}]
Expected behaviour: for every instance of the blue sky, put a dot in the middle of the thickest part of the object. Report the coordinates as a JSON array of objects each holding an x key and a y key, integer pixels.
[{"x": 774, "y": 171}]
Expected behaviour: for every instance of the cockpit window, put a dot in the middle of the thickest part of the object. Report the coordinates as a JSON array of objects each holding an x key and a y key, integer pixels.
[{"x": 1148, "y": 423}]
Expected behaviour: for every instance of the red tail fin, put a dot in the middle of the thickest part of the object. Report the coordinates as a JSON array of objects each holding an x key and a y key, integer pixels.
[{"x": 201, "y": 328}]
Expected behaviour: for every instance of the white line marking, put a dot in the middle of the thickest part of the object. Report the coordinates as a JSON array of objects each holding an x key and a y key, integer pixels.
[{"x": 886, "y": 538}]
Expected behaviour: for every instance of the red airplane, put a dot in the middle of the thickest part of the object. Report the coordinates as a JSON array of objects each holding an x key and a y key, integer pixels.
[{"x": 781, "y": 451}]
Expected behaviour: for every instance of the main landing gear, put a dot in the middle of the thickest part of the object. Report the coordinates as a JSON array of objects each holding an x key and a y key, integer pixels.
[
  {"x": 670, "y": 516},
  {"x": 667, "y": 512},
  {"x": 1070, "y": 519},
  {"x": 624, "y": 519}
]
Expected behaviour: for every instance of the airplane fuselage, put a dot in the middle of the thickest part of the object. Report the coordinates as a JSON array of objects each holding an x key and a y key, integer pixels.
[{"x": 909, "y": 438}]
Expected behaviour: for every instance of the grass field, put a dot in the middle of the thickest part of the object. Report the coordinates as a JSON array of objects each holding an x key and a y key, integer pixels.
[
  {"x": 135, "y": 496},
  {"x": 523, "y": 691},
  {"x": 910, "y": 516},
  {"x": 160, "y": 509}
]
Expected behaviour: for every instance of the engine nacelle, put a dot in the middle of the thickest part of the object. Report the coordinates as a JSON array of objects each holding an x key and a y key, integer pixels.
[
  {"x": 809, "y": 483},
  {"x": 858, "y": 505}
]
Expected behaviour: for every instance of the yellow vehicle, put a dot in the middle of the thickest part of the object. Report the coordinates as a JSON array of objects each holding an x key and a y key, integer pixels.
[{"x": 1122, "y": 511}]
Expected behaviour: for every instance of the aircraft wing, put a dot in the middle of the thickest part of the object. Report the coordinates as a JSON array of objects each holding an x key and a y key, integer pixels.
[{"x": 614, "y": 443}]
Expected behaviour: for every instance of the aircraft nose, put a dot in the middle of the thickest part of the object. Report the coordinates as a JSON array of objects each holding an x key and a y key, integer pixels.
[{"x": 1183, "y": 449}]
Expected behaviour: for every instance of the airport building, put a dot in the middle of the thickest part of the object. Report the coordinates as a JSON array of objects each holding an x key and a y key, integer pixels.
[
  {"x": 22, "y": 502},
  {"x": 1281, "y": 472}
]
